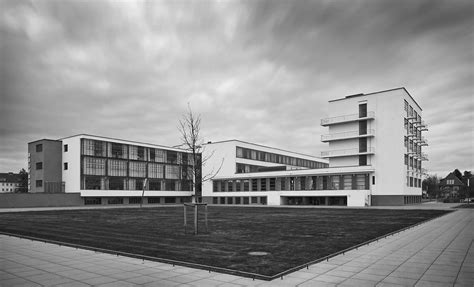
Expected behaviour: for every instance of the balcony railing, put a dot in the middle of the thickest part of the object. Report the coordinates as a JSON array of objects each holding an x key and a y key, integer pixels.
[
  {"x": 346, "y": 118},
  {"x": 423, "y": 156},
  {"x": 347, "y": 152},
  {"x": 347, "y": 135}
]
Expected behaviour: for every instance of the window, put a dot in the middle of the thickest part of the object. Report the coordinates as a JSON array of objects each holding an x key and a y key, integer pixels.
[
  {"x": 223, "y": 184},
  {"x": 229, "y": 186},
  {"x": 154, "y": 185},
  {"x": 215, "y": 187},
  {"x": 347, "y": 181},
  {"x": 155, "y": 170},
  {"x": 65, "y": 148},
  {"x": 94, "y": 166},
  {"x": 254, "y": 199},
  {"x": 137, "y": 169},
  {"x": 172, "y": 172},
  {"x": 117, "y": 183},
  {"x": 118, "y": 150},
  {"x": 115, "y": 200},
  {"x": 92, "y": 147},
  {"x": 134, "y": 200},
  {"x": 92, "y": 182},
  {"x": 254, "y": 184},
  {"x": 153, "y": 200},
  {"x": 117, "y": 167},
  {"x": 170, "y": 185},
  {"x": 172, "y": 157},
  {"x": 238, "y": 186},
  {"x": 240, "y": 152},
  {"x": 39, "y": 165},
  {"x": 373, "y": 179},
  {"x": 263, "y": 184},
  {"x": 362, "y": 110},
  {"x": 92, "y": 200},
  {"x": 335, "y": 182},
  {"x": 39, "y": 183},
  {"x": 406, "y": 105},
  {"x": 362, "y": 181},
  {"x": 362, "y": 159},
  {"x": 406, "y": 159},
  {"x": 450, "y": 181},
  {"x": 65, "y": 166},
  {"x": 272, "y": 184},
  {"x": 246, "y": 184},
  {"x": 39, "y": 147},
  {"x": 237, "y": 200}
]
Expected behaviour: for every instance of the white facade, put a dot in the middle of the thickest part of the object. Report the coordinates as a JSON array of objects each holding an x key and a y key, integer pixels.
[
  {"x": 375, "y": 135},
  {"x": 163, "y": 170}
]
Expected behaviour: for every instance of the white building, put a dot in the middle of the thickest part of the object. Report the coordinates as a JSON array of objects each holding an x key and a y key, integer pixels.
[
  {"x": 110, "y": 171},
  {"x": 374, "y": 158}
]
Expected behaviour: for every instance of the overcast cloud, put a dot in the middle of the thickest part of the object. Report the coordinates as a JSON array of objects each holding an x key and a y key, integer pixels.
[{"x": 259, "y": 71}]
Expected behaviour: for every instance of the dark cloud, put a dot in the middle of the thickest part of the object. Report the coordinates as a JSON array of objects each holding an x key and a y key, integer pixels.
[{"x": 260, "y": 71}]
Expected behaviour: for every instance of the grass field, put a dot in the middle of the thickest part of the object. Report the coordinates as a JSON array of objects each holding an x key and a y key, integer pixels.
[{"x": 291, "y": 236}]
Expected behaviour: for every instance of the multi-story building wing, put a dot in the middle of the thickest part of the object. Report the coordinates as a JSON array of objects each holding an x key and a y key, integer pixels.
[
  {"x": 374, "y": 158},
  {"x": 382, "y": 130},
  {"x": 113, "y": 171}
]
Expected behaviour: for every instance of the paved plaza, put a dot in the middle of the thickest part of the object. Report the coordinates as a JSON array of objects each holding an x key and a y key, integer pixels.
[{"x": 437, "y": 253}]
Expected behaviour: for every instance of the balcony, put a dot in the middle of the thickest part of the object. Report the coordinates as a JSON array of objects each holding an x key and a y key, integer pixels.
[
  {"x": 421, "y": 125},
  {"x": 346, "y": 152},
  {"x": 346, "y": 119},
  {"x": 347, "y": 135},
  {"x": 423, "y": 156}
]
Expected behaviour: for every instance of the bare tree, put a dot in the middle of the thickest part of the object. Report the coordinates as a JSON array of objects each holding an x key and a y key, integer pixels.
[{"x": 191, "y": 140}]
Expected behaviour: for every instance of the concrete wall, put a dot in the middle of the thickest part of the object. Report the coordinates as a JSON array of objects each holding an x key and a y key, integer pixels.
[
  {"x": 50, "y": 156},
  {"x": 18, "y": 200},
  {"x": 387, "y": 200},
  {"x": 72, "y": 176}
]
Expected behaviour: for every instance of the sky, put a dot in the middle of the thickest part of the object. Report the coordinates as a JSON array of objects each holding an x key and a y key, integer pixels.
[{"x": 258, "y": 71}]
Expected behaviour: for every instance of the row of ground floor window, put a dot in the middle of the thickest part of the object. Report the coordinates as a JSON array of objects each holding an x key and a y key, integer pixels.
[
  {"x": 89, "y": 182},
  {"x": 326, "y": 182},
  {"x": 245, "y": 200},
  {"x": 285, "y": 200},
  {"x": 136, "y": 200}
]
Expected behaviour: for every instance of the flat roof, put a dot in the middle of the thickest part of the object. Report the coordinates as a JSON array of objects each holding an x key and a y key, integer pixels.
[
  {"x": 43, "y": 140},
  {"x": 361, "y": 94},
  {"x": 260, "y": 145}
]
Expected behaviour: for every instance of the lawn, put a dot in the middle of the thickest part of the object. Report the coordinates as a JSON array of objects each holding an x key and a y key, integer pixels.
[{"x": 290, "y": 236}]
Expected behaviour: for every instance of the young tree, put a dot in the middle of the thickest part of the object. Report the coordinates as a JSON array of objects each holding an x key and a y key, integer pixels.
[
  {"x": 191, "y": 140},
  {"x": 23, "y": 188}
]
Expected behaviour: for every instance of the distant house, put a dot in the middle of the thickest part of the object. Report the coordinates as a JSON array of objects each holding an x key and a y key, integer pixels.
[
  {"x": 451, "y": 185},
  {"x": 9, "y": 182}
]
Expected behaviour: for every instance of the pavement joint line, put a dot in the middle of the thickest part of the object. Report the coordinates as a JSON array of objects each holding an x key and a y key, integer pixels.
[
  {"x": 394, "y": 251},
  {"x": 464, "y": 259},
  {"x": 450, "y": 242}
]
